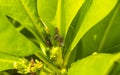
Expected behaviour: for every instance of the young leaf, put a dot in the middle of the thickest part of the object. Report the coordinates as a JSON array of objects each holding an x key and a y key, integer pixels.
[
  {"x": 74, "y": 25},
  {"x": 7, "y": 61},
  {"x": 60, "y": 13},
  {"x": 12, "y": 42},
  {"x": 98, "y": 64},
  {"x": 47, "y": 10}
]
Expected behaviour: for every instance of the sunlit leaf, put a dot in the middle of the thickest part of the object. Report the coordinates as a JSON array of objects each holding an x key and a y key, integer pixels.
[
  {"x": 25, "y": 12},
  {"x": 59, "y": 13},
  {"x": 104, "y": 37},
  {"x": 7, "y": 61},
  {"x": 12, "y": 42},
  {"x": 95, "y": 14},
  {"x": 74, "y": 25},
  {"x": 98, "y": 64}
]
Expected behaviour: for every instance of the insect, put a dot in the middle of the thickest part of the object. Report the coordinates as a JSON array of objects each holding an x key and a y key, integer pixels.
[
  {"x": 48, "y": 42},
  {"x": 61, "y": 42},
  {"x": 56, "y": 35},
  {"x": 58, "y": 38}
]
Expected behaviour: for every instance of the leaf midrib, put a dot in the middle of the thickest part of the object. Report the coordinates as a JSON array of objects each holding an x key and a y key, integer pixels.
[
  {"x": 108, "y": 29},
  {"x": 41, "y": 38},
  {"x": 27, "y": 10}
]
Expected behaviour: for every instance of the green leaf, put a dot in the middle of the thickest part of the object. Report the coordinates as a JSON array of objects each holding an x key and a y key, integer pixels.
[
  {"x": 75, "y": 26},
  {"x": 7, "y": 61},
  {"x": 72, "y": 57},
  {"x": 96, "y": 13},
  {"x": 110, "y": 25},
  {"x": 60, "y": 13},
  {"x": 93, "y": 17},
  {"x": 71, "y": 7},
  {"x": 47, "y": 9},
  {"x": 104, "y": 37},
  {"x": 116, "y": 69},
  {"x": 12, "y": 42},
  {"x": 25, "y": 12},
  {"x": 15, "y": 9},
  {"x": 97, "y": 64}
]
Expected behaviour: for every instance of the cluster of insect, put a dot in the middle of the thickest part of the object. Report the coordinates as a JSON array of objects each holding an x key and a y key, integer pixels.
[
  {"x": 56, "y": 37},
  {"x": 55, "y": 44}
]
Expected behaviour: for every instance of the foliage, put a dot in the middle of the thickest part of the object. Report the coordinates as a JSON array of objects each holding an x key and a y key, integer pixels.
[{"x": 60, "y": 37}]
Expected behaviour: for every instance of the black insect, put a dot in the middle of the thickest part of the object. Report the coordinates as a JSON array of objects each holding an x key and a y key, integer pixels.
[
  {"x": 61, "y": 42},
  {"x": 56, "y": 35},
  {"x": 58, "y": 38},
  {"x": 48, "y": 42}
]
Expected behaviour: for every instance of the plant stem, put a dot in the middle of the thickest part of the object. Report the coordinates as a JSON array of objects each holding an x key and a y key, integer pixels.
[
  {"x": 47, "y": 62},
  {"x": 66, "y": 57}
]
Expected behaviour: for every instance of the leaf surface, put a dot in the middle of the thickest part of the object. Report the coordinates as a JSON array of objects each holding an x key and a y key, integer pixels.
[
  {"x": 96, "y": 13},
  {"x": 104, "y": 37},
  {"x": 60, "y": 13},
  {"x": 7, "y": 61},
  {"x": 98, "y": 64},
  {"x": 25, "y": 12},
  {"x": 12, "y": 42}
]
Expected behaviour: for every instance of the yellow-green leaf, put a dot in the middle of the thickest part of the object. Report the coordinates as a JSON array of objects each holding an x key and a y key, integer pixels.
[{"x": 97, "y": 64}]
